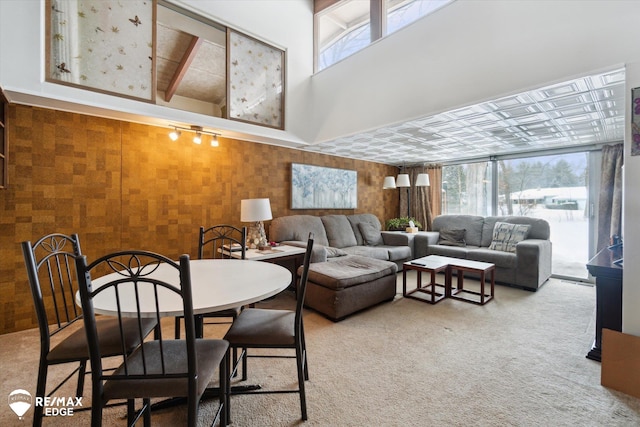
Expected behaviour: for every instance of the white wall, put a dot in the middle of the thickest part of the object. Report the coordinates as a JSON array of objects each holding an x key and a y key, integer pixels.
[
  {"x": 471, "y": 51},
  {"x": 286, "y": 24}
]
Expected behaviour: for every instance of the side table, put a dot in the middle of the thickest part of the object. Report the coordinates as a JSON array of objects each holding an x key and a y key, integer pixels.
[
  {"x": 427, "y": 293},
  {"x": 289, "y": 257},
  {"x": 435, "y": 264},
  {"x": 481, "y": 268}
]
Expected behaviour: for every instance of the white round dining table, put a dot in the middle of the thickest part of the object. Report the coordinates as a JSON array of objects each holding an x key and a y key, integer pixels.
[{"x": 217, "y": 284}]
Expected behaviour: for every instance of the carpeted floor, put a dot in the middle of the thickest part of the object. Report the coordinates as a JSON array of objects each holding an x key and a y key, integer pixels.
[{"x": 517, "y": 361}]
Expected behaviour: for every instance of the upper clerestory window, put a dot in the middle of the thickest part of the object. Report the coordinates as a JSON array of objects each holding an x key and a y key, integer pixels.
[{"x": 343, "y": 27}]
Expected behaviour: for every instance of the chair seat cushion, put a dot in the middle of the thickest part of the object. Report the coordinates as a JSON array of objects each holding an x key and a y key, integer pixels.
[
  {"x": 256, "y": 327},
  {"x": 75, "y": 347},
  {"x": 209, "y": 354}
]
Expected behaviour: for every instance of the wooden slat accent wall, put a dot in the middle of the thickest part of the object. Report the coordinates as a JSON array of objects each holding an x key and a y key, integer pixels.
[{"x": 122, "y": 185}]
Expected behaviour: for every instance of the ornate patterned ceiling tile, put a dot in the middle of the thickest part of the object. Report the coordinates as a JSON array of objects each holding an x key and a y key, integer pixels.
[
  {"x": 561, "y": 90},
  {"x": 616, "y": 77},
  {"x": 508, "y": 102}
]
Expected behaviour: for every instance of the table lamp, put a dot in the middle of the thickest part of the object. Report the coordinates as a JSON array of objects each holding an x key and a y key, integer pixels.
[{"x": 255, "y": 211}]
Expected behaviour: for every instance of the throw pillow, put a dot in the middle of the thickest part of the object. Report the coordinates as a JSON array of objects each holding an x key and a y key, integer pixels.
[
  {"x": 506, "y": 236},
  {"x": 452, "y": 237},
  {"x": 334, "y": 252},
  {"x": 370, "y": 234}
]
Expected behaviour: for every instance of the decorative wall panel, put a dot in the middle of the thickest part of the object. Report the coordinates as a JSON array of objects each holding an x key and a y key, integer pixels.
[
  {"x": 103, "y": 45},
  {"x": 255, "y": 73},
  {"x": 123, "y": 185}
]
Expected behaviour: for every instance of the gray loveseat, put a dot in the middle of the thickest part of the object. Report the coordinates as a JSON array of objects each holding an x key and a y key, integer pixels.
[
  {"x": 528, "y": 266},
  {"x": 354, "y": 263}
]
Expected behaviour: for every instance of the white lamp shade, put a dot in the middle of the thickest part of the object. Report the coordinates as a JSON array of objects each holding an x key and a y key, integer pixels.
[
  {"x": 252, "y": 210},
  {"x": 422, "y": 180},
  {"x": 403, "y": 180},
  {"x": 389, "y": 182}
]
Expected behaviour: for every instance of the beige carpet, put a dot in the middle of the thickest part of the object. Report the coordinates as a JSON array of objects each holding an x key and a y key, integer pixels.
[{"x": 517, "y": 361}]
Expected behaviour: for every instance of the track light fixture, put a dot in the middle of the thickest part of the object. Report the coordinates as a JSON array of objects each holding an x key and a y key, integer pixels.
[
  {"x": 198, "y": 130},
  {"x": 174, "y": 134}
]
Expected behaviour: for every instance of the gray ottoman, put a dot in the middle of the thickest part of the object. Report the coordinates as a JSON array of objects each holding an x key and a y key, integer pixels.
[{"x": 345, "y": 285}]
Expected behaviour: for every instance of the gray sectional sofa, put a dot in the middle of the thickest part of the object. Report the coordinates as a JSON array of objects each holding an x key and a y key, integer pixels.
[
  {"x": 339, "y": 235},
  {"x": 354, "y": 263},
  {"x": 528, "y": 266}
]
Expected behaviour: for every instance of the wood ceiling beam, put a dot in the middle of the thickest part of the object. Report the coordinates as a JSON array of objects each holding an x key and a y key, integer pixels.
[{"x": 183, "y": 66}]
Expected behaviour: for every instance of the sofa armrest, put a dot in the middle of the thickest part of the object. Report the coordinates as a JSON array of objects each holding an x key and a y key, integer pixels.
[
  {"x": 318, "y": 253},
  {"x": 423, "y": 240},
  {"x": 396, "y": 238},
  {"x": 534, "y": 262}
]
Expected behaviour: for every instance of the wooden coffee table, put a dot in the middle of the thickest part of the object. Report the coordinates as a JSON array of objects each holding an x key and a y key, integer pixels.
[
  {"x": 428, "y": 293},
  {"x": 482, "y": 268},
  {"x": 436, "y": 264}
]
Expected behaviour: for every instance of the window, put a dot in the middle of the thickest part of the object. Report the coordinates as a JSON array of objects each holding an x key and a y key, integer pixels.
[
  {"x": 401, "y": 13},
  {"x": 466, "y": 189},
  {"x": 554, "y": 187},
  {"x": 342, "y": 30},
  {"x": 344, "y": 27}
]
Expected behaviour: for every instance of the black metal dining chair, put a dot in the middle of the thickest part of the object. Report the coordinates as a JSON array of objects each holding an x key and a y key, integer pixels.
[
  {"x": 274, "y": 329},
  {"x": 50, "y": 264},
  {"x": 212, "y": 244},
  {"x": 159, "y": 367}
]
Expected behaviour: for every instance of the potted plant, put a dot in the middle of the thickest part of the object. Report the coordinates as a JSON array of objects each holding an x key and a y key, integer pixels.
[{"x": 401, "y": 223}]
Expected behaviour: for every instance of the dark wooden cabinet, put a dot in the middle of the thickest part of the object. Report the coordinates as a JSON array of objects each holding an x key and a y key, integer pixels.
[{"x": 608, "y": 295}]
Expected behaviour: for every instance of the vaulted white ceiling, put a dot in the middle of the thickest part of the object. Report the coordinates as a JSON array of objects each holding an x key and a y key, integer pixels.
[{"x": 584, "y": 111}]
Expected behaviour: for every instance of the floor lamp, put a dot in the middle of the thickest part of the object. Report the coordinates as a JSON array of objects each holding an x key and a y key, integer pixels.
[{"x": 403, "y": 181}]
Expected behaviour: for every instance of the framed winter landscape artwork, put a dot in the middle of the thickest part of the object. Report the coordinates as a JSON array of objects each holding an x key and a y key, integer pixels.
[{"x": 315, "y": 187}]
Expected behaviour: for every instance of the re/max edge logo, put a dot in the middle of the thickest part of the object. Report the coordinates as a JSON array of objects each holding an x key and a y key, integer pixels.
[{"x": 21, "y": 400}]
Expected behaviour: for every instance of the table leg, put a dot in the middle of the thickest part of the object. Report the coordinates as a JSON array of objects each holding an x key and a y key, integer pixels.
[
  {"x": 404, "y": 282},
  {"x": 493, "y": 281}
]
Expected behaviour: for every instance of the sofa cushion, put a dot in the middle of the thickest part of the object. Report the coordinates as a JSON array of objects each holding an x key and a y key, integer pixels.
[
  {"x": 472, "y": 223},
  {"x": 318, "y": 252},
  {"x": 450, "y": 251},
  {"x": 506, "y": 236},
  {"x": 370, "y": 234},
  {"x": 357, "y": 219},
  {"x": 377, "y": 252},
  {"x": 335, "y": 252},
  {"x": 452, "y": 237},
  {"x": 297, "y": 228},
  {"x": 499, "y": 258},
  {"x": 398, "y": 253},
  {"x": 339, "y": 231},
  {"x": 350, "y": 271},
  {"x": 539, "y": 227}
]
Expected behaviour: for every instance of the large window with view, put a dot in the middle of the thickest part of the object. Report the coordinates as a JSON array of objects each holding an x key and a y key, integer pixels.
[
  {"x": 467, "y": 189},
  {"x": 553, "y": 187},
  {"x": 345, "y": 27}
]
